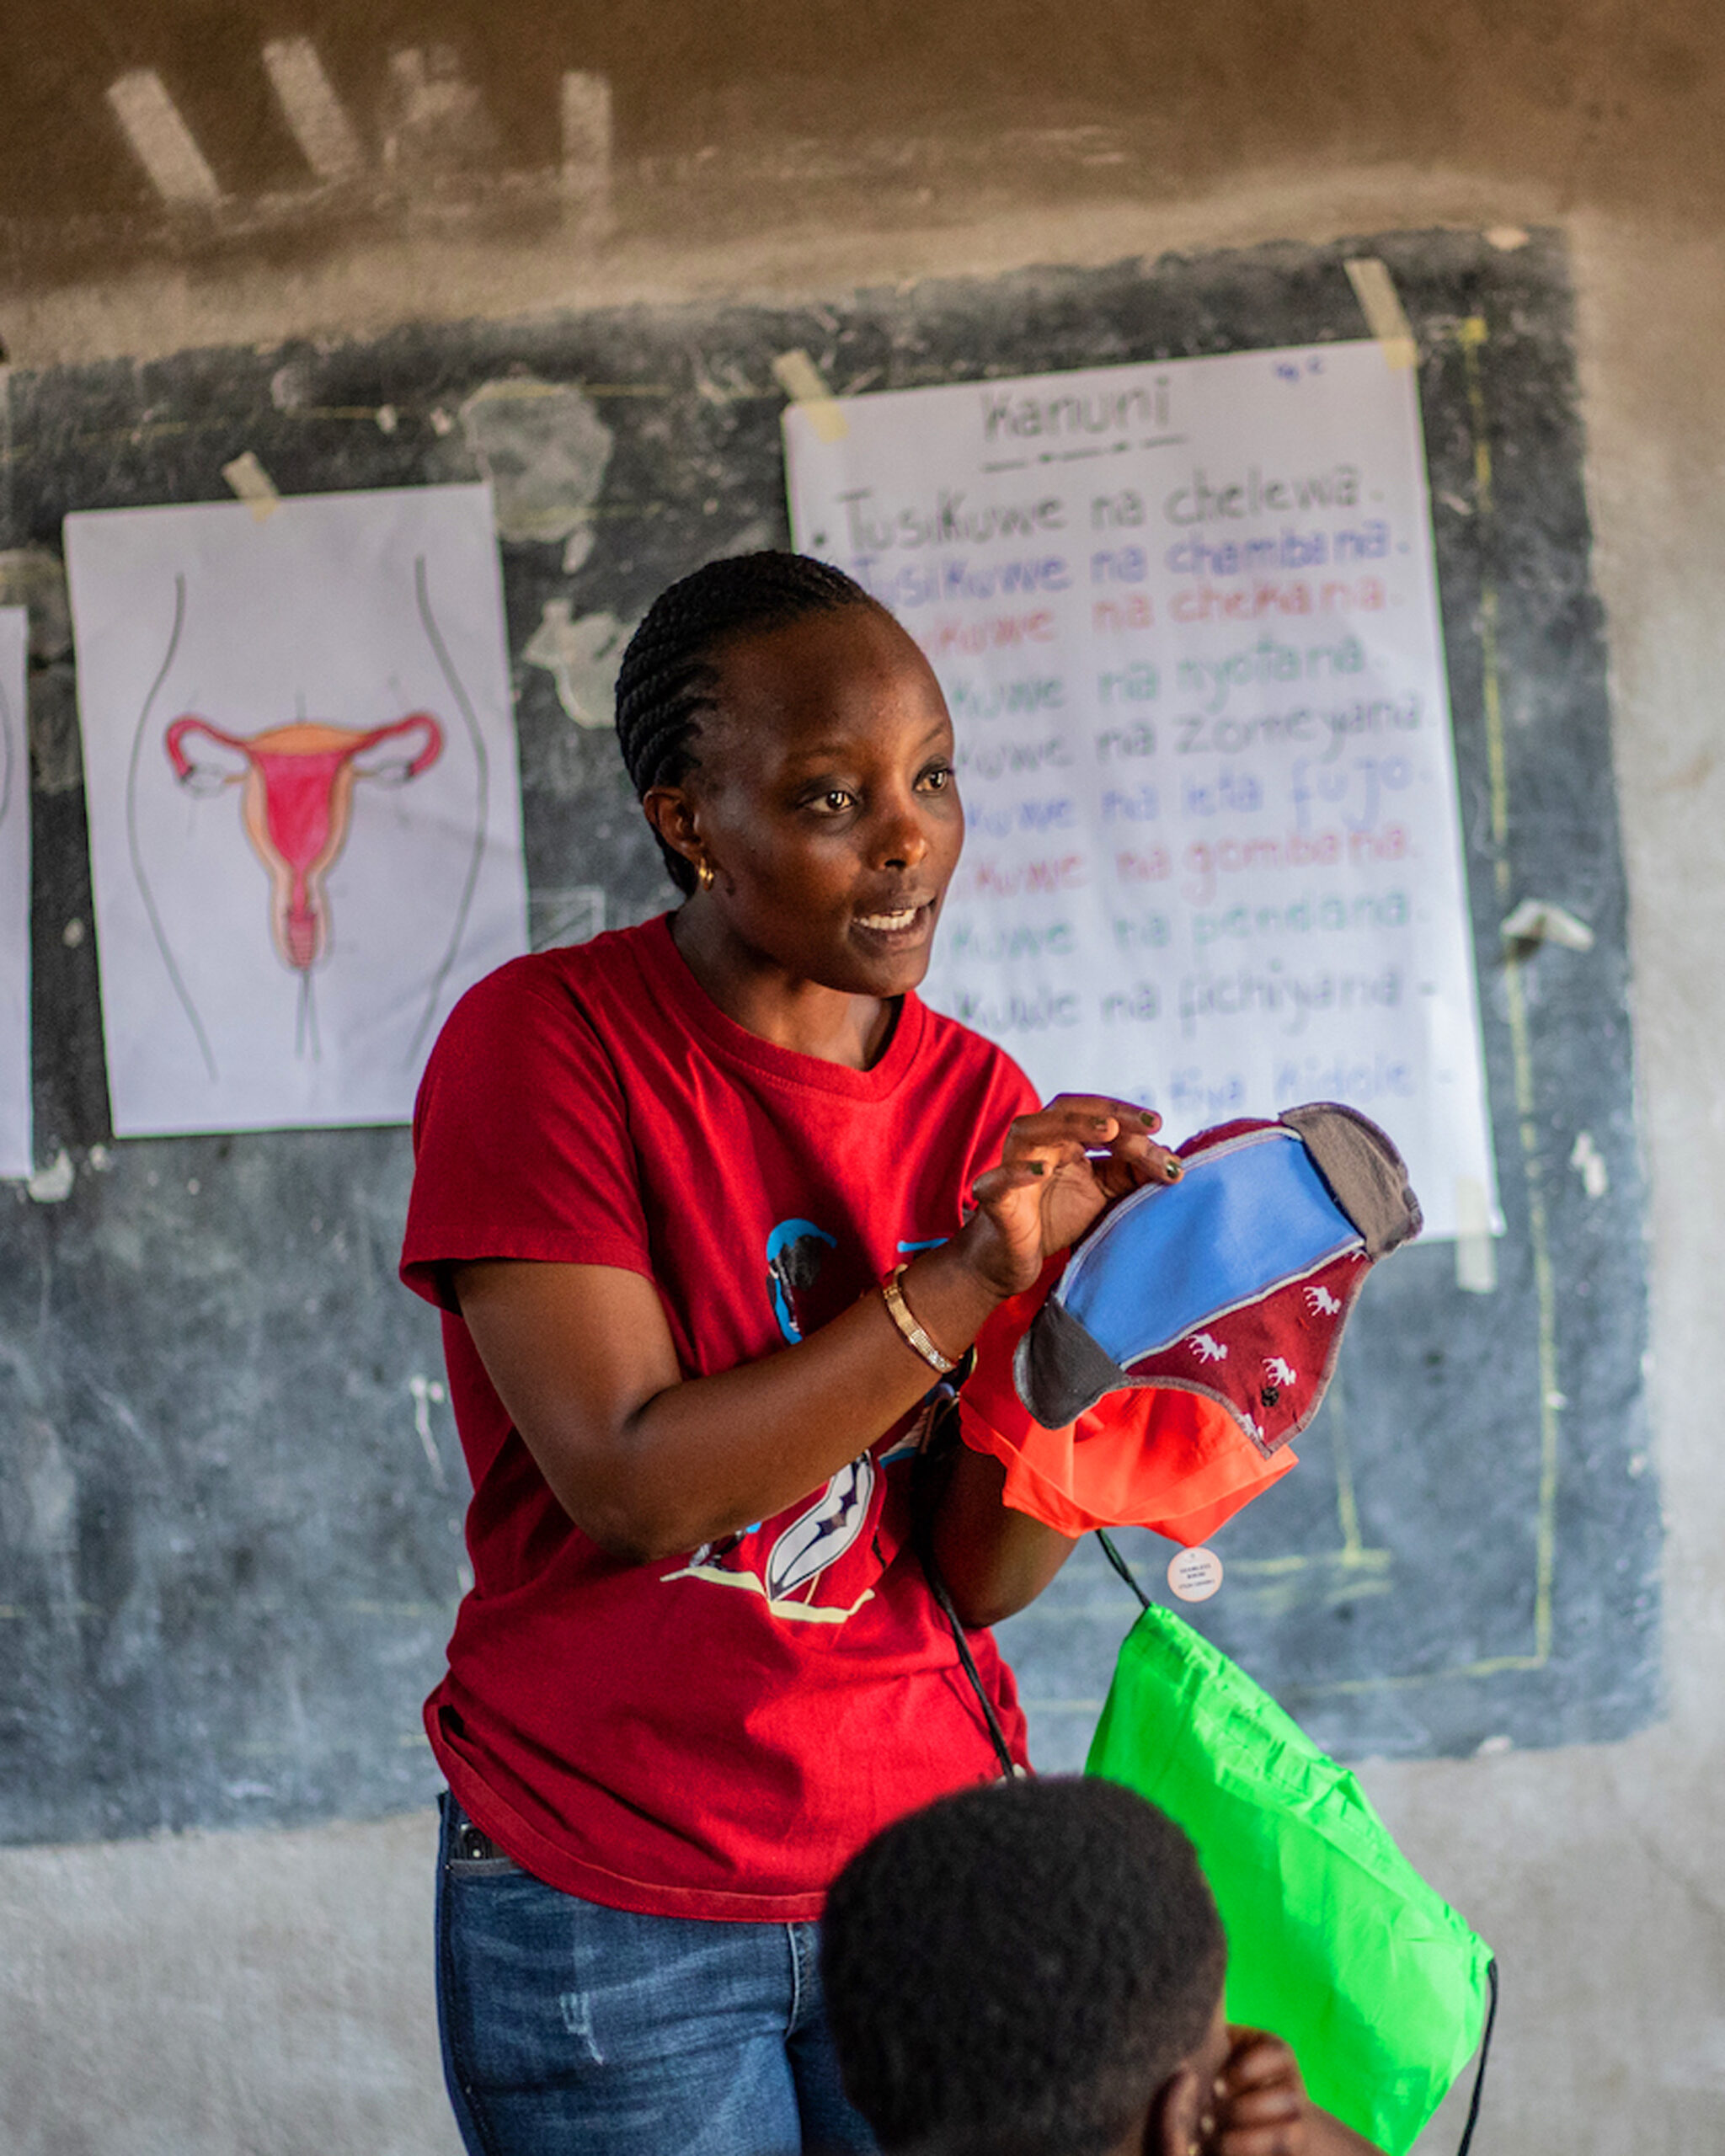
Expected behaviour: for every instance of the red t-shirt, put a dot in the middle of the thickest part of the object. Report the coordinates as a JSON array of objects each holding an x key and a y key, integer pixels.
[{"x": 714, "y": 1735}]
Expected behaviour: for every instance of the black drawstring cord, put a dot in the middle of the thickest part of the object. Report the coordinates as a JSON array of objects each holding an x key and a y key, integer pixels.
[
  {"x": 1121, "y": 1567},
  {"x": 1009, "y": 1766},
  {"x": 1485, "y": 2047},
  {"x": 938, "y": 1447}
]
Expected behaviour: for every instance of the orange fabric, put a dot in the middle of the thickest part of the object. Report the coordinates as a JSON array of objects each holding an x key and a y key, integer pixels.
[{"x": 1146, "y": 1456}]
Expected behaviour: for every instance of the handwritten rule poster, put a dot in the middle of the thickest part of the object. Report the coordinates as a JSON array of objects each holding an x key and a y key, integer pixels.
[{"x": 1185, "y": 616}]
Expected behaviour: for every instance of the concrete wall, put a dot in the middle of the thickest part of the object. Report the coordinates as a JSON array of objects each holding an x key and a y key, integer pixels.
[{"x": 271, "y": 1994}]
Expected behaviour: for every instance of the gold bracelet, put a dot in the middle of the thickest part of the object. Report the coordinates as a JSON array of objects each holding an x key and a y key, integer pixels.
[{"x": 899, "y": 1311}]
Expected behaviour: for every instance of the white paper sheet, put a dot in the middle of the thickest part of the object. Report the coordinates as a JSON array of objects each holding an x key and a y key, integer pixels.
[
  {"x": 15, "y": 898},
  {"x": 1186, "y": 619},
  {"x": 304, "y": 806}
]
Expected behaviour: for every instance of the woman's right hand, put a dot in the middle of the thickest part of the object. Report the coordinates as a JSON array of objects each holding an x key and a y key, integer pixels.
[{"x": 1060, "y": 1169}]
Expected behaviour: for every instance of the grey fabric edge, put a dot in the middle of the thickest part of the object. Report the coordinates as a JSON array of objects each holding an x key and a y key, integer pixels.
[
  {"x": 1362, "y": 1172},
  {"x": 1058, "y": 1368}
]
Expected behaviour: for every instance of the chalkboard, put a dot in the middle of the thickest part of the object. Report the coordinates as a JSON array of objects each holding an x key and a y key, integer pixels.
[{"x": 230, "y": 1488}]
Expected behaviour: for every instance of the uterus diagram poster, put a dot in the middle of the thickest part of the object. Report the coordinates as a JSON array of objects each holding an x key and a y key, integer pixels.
[
  {"x": 15, "y": 898},
  {"x": 303, "y": 796},
  {"x": 1185, "y": 616}
]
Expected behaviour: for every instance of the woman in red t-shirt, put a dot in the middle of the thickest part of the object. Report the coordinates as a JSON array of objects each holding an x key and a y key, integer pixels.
[{"x": 710, "y": 1206}]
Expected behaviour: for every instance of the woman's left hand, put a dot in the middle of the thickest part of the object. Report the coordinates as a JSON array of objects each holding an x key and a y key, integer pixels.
[{"x": 1060, "y": 1168}]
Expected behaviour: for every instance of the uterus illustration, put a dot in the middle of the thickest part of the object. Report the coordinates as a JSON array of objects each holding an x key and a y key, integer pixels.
[{"x": 297, "y": 785}]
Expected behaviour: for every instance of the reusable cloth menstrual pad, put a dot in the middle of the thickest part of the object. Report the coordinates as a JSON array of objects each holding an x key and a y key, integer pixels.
[{"x": 1154, "y": 1377}]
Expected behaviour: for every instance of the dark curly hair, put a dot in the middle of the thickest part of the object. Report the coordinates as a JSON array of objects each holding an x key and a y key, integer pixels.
[
  {"x": 1016, "y": 1970},
  {"x": 668, "y": 677}
]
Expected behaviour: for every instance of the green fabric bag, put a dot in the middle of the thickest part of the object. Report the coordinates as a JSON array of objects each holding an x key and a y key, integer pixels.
[{"x": 1335, "y": 1942}]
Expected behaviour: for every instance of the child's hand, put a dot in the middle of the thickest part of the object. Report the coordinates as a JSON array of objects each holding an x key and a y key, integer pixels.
[
  {"x": 1261, "y": 2107},
  {"x": 1260, "y": 2101}
]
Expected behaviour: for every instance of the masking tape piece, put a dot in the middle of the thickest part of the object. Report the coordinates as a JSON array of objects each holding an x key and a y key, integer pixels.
[
  {"x": 252, "y": 484},
  {"x": 1381, "y": 305},
  {"x": 1476, "y": 1252},
  {"x": 52, "y": 1185},
  {"x": 802, "y": 381}
]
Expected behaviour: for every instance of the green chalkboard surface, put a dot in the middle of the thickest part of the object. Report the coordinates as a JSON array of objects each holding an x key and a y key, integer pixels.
[{"x": 230, "y": 1490}]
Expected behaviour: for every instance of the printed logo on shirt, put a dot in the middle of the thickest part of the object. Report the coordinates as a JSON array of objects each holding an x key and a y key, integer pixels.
[
  {"x": 796, "y": 1251},
  {"x": 816, "y": 1539}
]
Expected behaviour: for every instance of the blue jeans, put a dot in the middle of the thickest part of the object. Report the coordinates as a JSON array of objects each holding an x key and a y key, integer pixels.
[{"x": 573, "y": 2030}]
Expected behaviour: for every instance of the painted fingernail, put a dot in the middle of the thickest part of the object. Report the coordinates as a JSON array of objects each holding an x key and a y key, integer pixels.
[
  {"x": 1038, "y": 1167},
  {"x": 1149, "y": 1118},
  {"x": 1173, "y": 1171}
]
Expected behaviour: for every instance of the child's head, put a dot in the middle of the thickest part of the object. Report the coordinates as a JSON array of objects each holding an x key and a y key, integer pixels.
[{"x": 1031, "y": 1968}]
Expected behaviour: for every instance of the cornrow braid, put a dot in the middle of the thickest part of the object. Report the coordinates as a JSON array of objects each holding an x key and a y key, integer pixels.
[{"x": 668, "y": 678}]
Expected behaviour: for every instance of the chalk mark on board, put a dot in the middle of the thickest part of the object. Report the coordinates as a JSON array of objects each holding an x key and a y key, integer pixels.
[
  {"x": 1473, "y": 335},
  {"x": 423, "y": 1391}
]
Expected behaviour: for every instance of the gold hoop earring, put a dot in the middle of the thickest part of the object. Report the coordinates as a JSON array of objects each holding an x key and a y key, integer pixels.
[{"x": 703, "y": 875}]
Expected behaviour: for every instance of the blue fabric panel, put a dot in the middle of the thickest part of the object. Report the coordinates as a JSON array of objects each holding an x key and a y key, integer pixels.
[{"x": 1235, "y": 1226}]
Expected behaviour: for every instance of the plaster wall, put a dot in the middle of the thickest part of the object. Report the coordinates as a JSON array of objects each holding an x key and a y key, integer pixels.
[{"x": 270, "y": 1994}]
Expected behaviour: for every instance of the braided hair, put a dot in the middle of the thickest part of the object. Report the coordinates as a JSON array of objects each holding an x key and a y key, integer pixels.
[
  {"x": 1016, "y": 1970},
  {"x": 668, "y": 678}
]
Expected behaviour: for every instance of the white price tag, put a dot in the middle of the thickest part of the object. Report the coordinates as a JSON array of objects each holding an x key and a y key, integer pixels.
[{"x": 1194, "y": 1575}]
